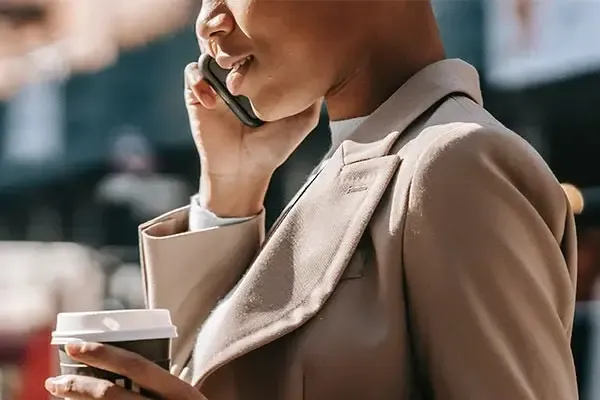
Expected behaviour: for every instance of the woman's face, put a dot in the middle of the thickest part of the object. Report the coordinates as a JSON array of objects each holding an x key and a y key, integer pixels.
[{"x": 296, "y": 50}]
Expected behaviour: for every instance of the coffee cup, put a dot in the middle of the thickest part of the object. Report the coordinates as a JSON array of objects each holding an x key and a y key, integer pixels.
[{"x": 146, "y": 332}]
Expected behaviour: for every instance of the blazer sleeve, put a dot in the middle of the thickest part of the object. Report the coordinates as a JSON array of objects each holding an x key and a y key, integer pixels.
[
  {"x": 489, "y": 256},
  {"x": 188, "y": 272}
]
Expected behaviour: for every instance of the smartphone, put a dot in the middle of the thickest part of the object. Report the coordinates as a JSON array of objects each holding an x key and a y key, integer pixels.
[{"x": 239, "y": 105}]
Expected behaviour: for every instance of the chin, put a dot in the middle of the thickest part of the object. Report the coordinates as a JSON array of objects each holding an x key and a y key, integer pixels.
[
  {"x": 269, "y": 114},
  {"x": 275, "y": 109}
]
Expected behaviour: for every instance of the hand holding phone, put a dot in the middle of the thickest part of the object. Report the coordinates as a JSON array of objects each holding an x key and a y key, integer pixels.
[
  {"x": 238, "y": 161},
  {"x": 239, "y": 105}
]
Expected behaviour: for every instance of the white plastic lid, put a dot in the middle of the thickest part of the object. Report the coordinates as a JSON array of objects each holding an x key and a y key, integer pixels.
[{"x": 113, "y": 326}]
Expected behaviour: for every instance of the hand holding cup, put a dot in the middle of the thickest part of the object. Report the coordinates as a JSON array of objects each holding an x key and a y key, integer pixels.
[{"x": 117, "y": 355}]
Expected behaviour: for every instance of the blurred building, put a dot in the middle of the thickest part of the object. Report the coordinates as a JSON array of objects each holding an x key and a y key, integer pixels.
[
  {"x": 48, "y": 39},
  {"x": 543, "y": 64},
  {"x": 56, "y": 137},
  {"x": 467, "y": 42}
]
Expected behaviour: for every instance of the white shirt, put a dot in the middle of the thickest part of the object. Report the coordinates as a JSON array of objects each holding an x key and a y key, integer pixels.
[{"x": 200, "y": 218}]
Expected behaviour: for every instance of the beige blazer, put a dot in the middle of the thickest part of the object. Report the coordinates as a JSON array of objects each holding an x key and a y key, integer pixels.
[{"x": 433, "y": 257}]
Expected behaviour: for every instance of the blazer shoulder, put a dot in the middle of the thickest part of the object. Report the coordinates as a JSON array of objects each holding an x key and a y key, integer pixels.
[
  {"x": 463, "y": 132},
  {"x": 453, "y": 148}
]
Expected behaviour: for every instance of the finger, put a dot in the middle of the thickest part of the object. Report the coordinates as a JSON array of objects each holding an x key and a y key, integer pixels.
[
  {"x": 87, "y": 388},
  {"x": 197, "y": 90},
  {"x": 140, "y": 370}
]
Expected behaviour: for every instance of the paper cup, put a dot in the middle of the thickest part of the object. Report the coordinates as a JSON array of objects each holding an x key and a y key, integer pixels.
[{"x": 146, "y": 332}]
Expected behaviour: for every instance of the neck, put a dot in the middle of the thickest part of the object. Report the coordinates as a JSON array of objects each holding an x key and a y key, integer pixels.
[{"x": 386, "y": 65}]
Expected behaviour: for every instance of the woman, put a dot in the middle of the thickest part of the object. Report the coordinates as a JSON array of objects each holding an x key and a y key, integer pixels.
[{"x": 430, "y": 256}]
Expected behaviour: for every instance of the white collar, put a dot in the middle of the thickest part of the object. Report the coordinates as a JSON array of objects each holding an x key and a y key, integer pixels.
[{"x": 341, "y": 130}]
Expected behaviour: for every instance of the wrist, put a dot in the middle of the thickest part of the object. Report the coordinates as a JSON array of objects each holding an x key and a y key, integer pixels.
[{"x": 233, "y": 198}]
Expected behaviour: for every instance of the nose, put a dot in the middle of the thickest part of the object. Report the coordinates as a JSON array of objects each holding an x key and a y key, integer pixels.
[{"x": 214, "y": 21}]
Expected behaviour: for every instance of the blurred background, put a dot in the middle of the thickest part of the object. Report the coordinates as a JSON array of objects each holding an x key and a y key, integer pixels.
[{"x": 94, "y": 140}]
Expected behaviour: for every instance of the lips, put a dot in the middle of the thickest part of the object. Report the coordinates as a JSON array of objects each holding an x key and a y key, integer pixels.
[
  {"x": 236, "y": 74},
  {"x": 239, "y": 64}
]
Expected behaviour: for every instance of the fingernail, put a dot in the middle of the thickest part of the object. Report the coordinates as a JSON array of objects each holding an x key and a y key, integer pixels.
[
  {"x": 50, "y": 385},
  {"x": 194, "y": 75},
  {"x": 73, "y": 348},
  {"x": 57, "y": 385}
]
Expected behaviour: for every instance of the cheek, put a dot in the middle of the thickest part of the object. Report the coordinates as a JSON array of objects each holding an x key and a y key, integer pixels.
[
  {"x": 292, "y": 73},
  {"x": 287, "y": 83}
]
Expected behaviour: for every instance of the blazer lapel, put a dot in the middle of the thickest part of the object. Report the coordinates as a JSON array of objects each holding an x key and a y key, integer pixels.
[
  {"x": 302, "y": 262},
  {"x": 304, "y": 258}
]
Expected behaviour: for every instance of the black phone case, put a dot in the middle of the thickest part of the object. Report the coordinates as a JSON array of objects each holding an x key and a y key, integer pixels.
[{"x": 239, "y": 105}]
